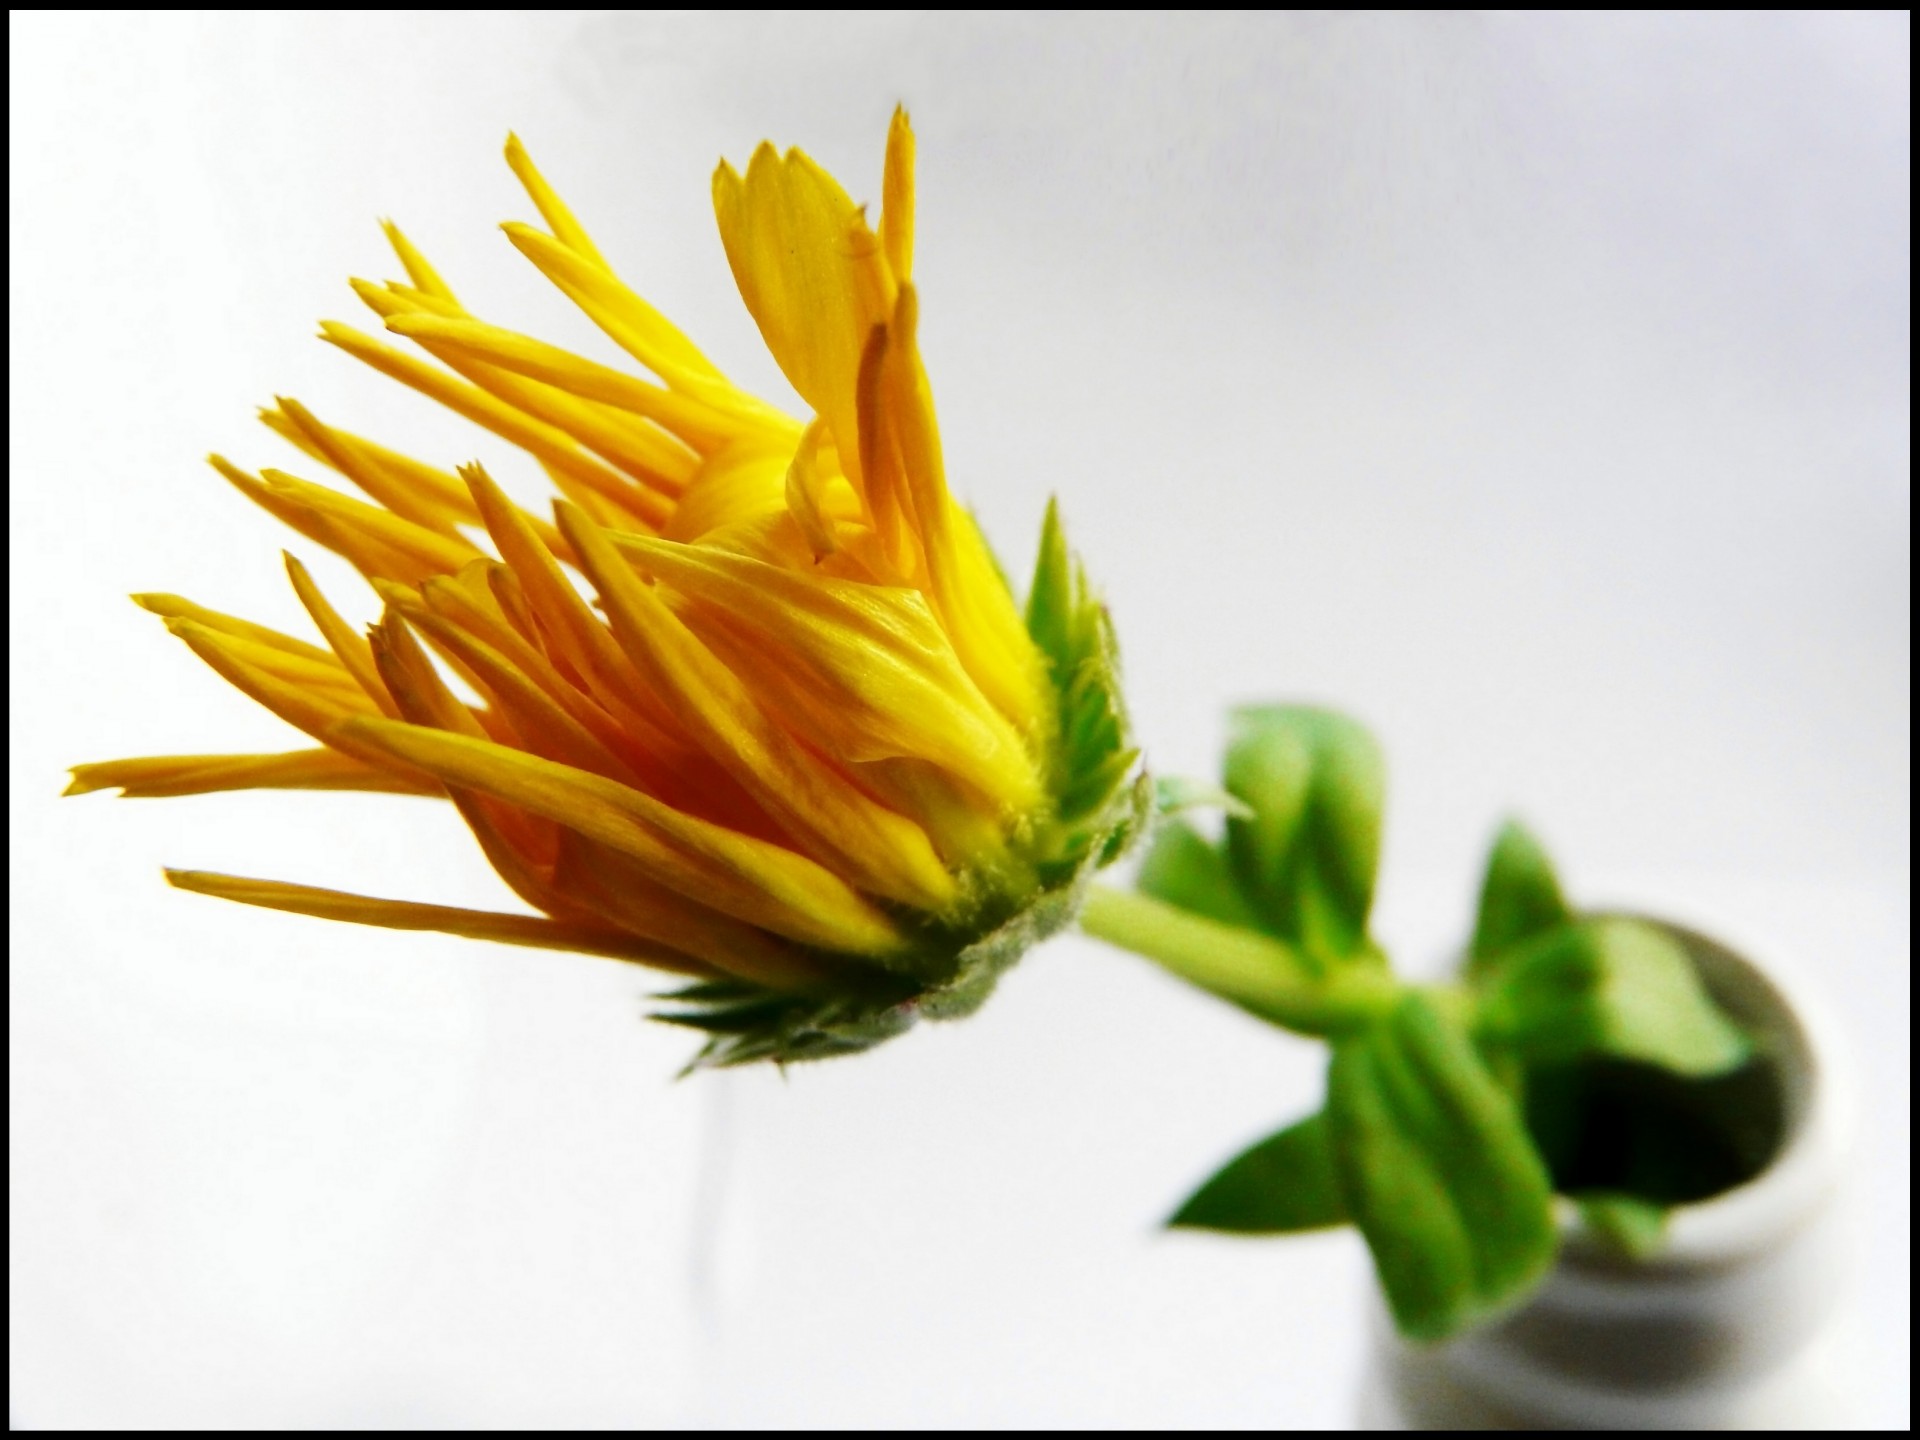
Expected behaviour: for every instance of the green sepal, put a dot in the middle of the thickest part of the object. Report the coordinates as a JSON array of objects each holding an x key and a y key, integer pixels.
[
  {"x": 1176, "y": 794},
  {"x": 1306, "y": 858},
  {"x": 746, "y": 1023},
  {"x": 1612, "y": 986},
  {"x": 1438, "y": 1171},
  {"x": 1285, "y": 1183},
  {"x": 1519, "y": 899},
  {"x": 1092, "y": 758}
]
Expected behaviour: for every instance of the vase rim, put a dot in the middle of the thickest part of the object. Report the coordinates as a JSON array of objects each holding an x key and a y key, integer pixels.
[{"x": 1784, "y": 1007}]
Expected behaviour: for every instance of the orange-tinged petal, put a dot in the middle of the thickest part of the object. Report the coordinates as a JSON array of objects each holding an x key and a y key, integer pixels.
[
  {"x": 619, "y": 890},
  {"x": 175, "y": 607},
  {"x": 532, "y": 930},
  {"x": 865, "y": 669},
  {"x": 884, "y": 852},
  {"x": 152, "y": 776},
  {"x": 749, "y": 879}
]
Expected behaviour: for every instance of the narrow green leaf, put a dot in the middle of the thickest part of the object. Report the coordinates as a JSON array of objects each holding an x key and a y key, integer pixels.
[
  {"x": 1626, "y": 1224},
  {"x": 1307, "y": 856},
  {"x": 1519, "y": 899},
  {"x": 1611, "y": 986},
  {"x": 1437, "y": 1169},
  {"x": 1285, "y": 1183},
  {"x": 1185, "y": 869}
]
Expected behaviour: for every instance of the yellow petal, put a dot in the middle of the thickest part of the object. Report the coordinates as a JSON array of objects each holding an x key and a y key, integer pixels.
[
  {"x": 362, "y": 550},
  {"x": 628, "y": 321},
  {"x": 436, "y": 553},
  {"x": 661, "y": 334},
  {"x": 551, "y": 446},
  {"x": 643, "y": 450},
  {"x": 522, "y": 848},
  {"x": 316, "y": 711},
  {"x": 350, "y": 647},
  {"x": 742, "y": 482},
  {"x": 418, "y": 270},
  {"x": 811, "y": 274},
  {"x": 896, "y": 199},
  {"x": 543, "y": 725},
  {"x": 552, "y": 208},
  {"x": 400, "y": 491},
  {"x": 881, "y": 851},
  {"x": 972, "y": 598},
  {"x": 152, "y": 776},
  {"x": 581, "y": 637},
  {"x": 889, "y": 492},
  {"x": 864, "y": 671},
  {"x": 531, "y": 930},
  {"x": 693, "y": 421},
  {"x": 804, "y": 495},
  {"x": 175, "y": 607},
  {"x": 749, "y": 879}
]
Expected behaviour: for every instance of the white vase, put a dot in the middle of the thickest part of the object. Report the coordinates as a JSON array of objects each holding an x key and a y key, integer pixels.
[{"x": 1720, "y": 1330}]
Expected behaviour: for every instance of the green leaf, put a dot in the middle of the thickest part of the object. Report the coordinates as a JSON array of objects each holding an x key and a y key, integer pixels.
[
  {"x": 1173, "y": 794},
  {"x": 1626, "y": 1224},
  {"x": 1438, "y": 1171},
  {"x": 1306, "y": 858},
  {"x": 1611, "y": 986},
  {"x": 1519, "y": 899},
  {"x": 1186, "y": 870},
  {"x": 1285, "y": 1183}
]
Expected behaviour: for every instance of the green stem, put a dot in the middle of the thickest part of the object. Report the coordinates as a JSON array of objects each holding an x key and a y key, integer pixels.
[{"x": 1258, "y": 973}]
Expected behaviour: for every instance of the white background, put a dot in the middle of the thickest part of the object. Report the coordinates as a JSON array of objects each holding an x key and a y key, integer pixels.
[{"x": 1535, "y": 388}]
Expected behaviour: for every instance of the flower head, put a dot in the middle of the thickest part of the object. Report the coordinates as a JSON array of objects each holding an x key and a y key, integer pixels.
[{"x": 756, "y": 706}]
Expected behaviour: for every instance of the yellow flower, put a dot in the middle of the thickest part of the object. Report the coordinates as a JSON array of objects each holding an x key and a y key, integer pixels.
[{"x": 800, "y": 745}]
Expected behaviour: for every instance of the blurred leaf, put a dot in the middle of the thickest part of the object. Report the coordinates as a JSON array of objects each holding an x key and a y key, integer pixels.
[
  {"x": 1610, "y": 986},
  {"x": 1306, "y": 857},
  {"x": 1284, "y": 1183},
  {"x": 1519, "y": 899},
  {"x": 1186, "y": 870},
  {"x": 1176, "y": 793},
  {"x": 1437, "y": 1170},
  {"x": 1627, "y": 1224}
]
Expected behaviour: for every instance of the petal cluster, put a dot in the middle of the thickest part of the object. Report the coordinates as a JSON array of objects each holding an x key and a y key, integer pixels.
[{"x": 755, "y": 705}]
